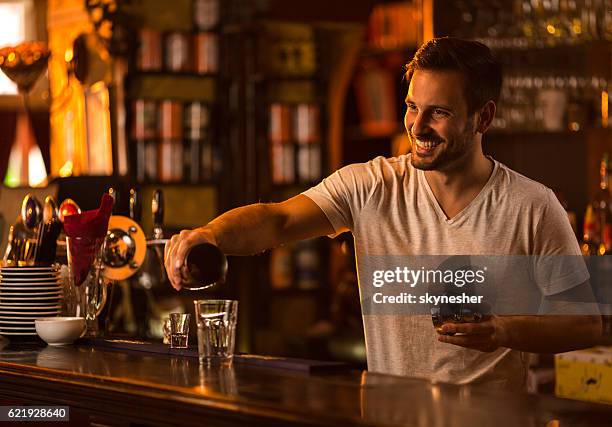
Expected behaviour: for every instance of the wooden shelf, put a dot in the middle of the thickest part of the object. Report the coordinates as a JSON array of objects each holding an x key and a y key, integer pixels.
[
  {"x": 588, "y": 45},
  {"x": 547, "y": 134},
  {"x": 179, "y": 87}
]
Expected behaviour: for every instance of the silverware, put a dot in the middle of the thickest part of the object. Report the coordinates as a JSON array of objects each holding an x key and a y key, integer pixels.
[
  {"x": 21, "y": 237},
  {"x": 68, "y": 207},
  {"x": 153, "y": 273},
  {"x": 50, "y": 210},
  {"x": 13, "y": 249},
  {"x": 47, "y": 247},
  {"x": 31, "y": 212}
]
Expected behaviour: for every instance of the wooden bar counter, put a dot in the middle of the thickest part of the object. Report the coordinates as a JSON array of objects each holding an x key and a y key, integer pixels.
[{"x": 127, "y": 388}]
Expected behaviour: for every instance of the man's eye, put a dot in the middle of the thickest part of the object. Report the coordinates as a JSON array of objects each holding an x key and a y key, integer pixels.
[
  {"x": 440, "y": 113},
  {"x": 411, "y": 107}
]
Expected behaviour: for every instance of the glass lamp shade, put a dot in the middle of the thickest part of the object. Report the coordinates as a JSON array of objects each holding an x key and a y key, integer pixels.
[{"x": 24, "y": 63}]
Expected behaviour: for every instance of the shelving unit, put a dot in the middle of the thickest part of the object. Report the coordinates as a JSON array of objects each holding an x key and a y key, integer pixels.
[
  {"x": 176, "y": 96},
  {"x": 548, "y": 87},
  {"x": 289, "y": 116},
  {"x": 173, "y": 86},
  {"x": 575, "y": 140},
  {"x": 374, "y": 109},
  {"x": 361, "y": 145}
]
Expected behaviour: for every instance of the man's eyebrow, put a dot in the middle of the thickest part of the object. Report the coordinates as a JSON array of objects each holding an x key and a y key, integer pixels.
[{"x": 444, "y": 107}]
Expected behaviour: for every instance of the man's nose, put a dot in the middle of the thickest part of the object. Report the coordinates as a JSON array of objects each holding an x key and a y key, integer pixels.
[{"x": 420, "y": 125}]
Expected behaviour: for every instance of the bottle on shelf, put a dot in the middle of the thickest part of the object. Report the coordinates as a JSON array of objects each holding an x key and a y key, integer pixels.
[
  {"x": 282, "y": 154},
  {"x": 598, "y": 217},
  {"x": 307, "y": 265},
  {"x": 590, "y": 237},
  {"x": 281, "y": 267},
  {"x": 149, "y": 53},
  {"x": 295, "y": 143}
]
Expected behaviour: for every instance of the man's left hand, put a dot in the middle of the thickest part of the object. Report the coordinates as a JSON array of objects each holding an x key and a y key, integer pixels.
[{"x": 483, "y": 336}]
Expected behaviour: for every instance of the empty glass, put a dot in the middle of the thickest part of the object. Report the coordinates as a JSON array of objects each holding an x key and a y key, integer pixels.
[
  {"x": 86, "y": 294},
  {"x": 179, "y": 330},
  {"x": 216, "y": 321}
]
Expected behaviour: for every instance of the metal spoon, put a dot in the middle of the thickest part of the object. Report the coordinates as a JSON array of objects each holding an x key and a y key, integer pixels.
[
  {"x": 50, "y": 209},
  {"x": 68, "y": 207},
  {"x": 31, "y": 212}
]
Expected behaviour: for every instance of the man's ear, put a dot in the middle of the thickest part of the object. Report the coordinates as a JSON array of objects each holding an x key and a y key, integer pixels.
[{"x": 485, "y": 116}]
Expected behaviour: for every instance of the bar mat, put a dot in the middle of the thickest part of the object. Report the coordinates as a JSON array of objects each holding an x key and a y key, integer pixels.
[{"x": 290, "y": 363}]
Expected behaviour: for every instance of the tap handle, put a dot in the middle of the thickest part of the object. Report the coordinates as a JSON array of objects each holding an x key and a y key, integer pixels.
[
  {"x": 114, "y": 193},
  {"x": 157, "y": 209},
  {"x": 135, "y": 205}
]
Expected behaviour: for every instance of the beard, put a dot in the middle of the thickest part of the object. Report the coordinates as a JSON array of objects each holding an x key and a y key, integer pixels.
[{"x": 446, "y": 154}]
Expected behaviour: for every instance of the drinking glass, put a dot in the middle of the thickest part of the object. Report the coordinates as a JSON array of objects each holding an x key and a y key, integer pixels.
[
  {"x": 179, "y": 330},
  {"x": 216, "y": 321},
  {"x": 87, "y": 287}
]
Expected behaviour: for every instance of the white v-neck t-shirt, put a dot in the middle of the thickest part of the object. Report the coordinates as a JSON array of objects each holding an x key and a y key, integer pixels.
[{"x": 389, "y": 207}]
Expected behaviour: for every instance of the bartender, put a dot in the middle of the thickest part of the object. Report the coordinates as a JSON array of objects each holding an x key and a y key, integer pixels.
[{"x": 443, "y": 197}]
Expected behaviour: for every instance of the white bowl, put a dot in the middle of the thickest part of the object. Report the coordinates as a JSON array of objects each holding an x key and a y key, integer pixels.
[{"x": 60, "y": 330}]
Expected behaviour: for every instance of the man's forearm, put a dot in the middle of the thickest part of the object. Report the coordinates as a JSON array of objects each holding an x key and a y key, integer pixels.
[
  {"x": 549, "y": 334},
  {"x": 247, "y": 230}
]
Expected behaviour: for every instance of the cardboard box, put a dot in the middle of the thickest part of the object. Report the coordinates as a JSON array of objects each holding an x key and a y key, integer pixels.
[{"x": 585, "y": 375}]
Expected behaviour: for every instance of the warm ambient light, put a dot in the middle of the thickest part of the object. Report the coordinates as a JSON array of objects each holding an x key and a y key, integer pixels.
[
  {"x": 68, "y": 55},
  {"x": 12, "y": 22},
  {"x": 98, "y": 86},
  {"x": 66, "y": 169},
  {"x": 604, "y": 109},
  {"x": 37, "y": 172}
]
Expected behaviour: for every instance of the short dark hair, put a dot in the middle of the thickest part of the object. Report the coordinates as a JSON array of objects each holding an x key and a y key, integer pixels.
[{"x": 482, "y": 72}]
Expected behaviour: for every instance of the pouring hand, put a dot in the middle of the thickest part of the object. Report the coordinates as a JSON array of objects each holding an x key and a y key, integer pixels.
[{"x": 176, "y": 250}]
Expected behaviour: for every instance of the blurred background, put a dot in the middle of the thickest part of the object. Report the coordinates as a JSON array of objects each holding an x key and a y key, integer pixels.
[{"x": 224, "y": 103}]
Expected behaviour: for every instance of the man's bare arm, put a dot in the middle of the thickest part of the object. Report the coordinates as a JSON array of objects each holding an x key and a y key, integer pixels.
[
  {"x": 249, "y": 230},
  {"x": 252, "y": 229},
  {"x": 572, "y": 322},
  {"x": 534, "y": 334},
  {"x": 551, "y": 334}
]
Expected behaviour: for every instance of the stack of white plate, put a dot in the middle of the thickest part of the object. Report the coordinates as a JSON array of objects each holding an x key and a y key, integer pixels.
[{"x": 26, "y": 294}]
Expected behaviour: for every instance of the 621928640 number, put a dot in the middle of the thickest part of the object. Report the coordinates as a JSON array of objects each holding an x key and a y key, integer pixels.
[{"x": 34, "y": 413}]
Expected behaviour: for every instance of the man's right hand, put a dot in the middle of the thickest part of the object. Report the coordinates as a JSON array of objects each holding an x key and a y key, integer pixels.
[
  {"x": 249, "y": 230},
  {"x": 177, "y": 248}
]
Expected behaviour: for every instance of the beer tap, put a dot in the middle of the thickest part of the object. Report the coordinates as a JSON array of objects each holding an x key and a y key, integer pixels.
[
  {"x": 135, "y": 205},
  {"x": 157, "y": 209},
  {"x": 158, "y": 241}
]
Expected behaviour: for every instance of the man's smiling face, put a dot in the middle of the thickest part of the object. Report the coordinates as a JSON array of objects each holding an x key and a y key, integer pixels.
[{"x": 440, "y": 130}]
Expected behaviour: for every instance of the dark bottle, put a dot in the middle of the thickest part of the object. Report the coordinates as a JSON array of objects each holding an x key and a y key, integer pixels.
[
  {"x": 590, "y": 240},
  {"x": 602, "y": 208},
  {"x": 205, "y": 265}
]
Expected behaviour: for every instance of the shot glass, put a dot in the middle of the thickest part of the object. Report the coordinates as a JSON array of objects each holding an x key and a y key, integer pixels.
[
  {"x": 216, "y": 321},
  {"x": 179, "y": 330},
  {"x": 166, "y": 330}
]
